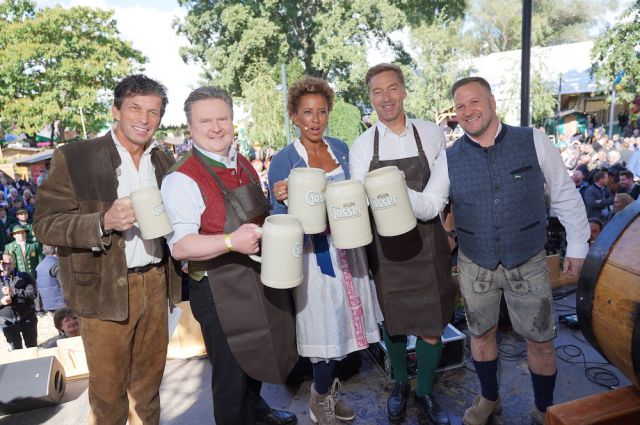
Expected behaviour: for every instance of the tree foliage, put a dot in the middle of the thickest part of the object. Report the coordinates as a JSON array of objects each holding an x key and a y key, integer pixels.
[
  {"x": 496, "y": 25},
  {"x": 267, "y": 112},
  {"x": 439, "y": 55},
  {"x": 345, "y": 123},
  {"x": 233, "y": 39},
  {"x": 56, "y": 62},
  {"x": 617, "y": 53},
  {"x": 542, "y": 93}
]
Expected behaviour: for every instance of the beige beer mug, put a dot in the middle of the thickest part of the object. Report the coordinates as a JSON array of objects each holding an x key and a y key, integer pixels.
[
  {"x": 348, "y": 214},
  {"x": 306, "y": 187},
  {"x": 282, "y": 239},
  {"x": 389, "y": 201},
  {"x": 151, "y": 217}
]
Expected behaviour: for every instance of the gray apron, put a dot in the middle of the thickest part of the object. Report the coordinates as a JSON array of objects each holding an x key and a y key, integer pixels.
[
  {"x": 412, "y": 272},
  {"x": 258, "y": 321}
]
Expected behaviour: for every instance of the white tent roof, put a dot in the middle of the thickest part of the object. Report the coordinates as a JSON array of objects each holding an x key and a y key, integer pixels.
[{"x": 571, "y": 61}]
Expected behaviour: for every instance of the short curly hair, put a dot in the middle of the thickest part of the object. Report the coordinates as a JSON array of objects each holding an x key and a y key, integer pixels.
[{"x": 308, "y": 85}]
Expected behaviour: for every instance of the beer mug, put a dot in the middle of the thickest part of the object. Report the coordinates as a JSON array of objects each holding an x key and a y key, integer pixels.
[
  {"x": 389, "y": 201},
  {"x": 151, "y": 217},
  {"x": 282, "y": 239},
  {"x": 348, "y": 214},
  {"x": 306, "y": 198}
]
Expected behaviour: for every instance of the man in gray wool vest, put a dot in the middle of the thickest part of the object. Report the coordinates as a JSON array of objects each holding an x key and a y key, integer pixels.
[{"x": 497, "y": 176}]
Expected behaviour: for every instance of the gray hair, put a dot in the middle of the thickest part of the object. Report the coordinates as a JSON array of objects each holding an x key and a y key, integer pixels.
[{"x": 204, "y": 93}]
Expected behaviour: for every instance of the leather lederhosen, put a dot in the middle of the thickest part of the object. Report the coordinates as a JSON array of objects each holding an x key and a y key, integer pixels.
[
  {"x": 258, "y": 321},
  {"x": 412, "y": 272}
]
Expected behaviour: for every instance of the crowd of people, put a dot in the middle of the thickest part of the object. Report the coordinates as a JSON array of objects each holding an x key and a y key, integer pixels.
[
  {"x": 605, "y": 171},
  {"x": 31, "y": 287},
  {"x": 119, "y": 287}
]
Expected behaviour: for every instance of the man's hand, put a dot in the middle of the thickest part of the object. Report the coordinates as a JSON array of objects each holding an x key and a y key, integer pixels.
[
  {"x": 120, "y": 216},
  {"x": 572, "y": 266},
  {"x": 6, "y": 300},
  {"x": 7, "y": 290},
  {"x": 246, "y": 239}
]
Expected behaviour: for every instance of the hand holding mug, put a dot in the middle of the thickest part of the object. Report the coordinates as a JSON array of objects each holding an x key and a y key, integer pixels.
[
  {"x": 120, "y": 216},
  {"x": 281, "y": 190},
  {"x": 246, "y": 239},
  {"x": 7, "y": 290}
]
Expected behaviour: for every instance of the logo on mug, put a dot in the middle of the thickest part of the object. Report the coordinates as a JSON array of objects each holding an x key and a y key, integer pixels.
[
  {"x": 296, "y": 250},
  {"x": 348, "y": 210},
  {"x": 314, "y": 198},
  {"x": 383, "y": 201},
  {"x": 157, "y": 209}
]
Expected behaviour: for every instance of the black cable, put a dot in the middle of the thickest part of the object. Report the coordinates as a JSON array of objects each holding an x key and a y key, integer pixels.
[{"x": 599, "y": 375}]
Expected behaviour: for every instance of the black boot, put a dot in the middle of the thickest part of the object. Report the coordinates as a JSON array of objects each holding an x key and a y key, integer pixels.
[
  {"x": 435, "y": 414},
  {"x": 397, "y": 402}
]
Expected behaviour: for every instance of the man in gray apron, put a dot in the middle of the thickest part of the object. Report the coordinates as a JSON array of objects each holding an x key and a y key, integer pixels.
[
  {"x": 215, "y": 203},
  {"x": 412, "y": 272}
]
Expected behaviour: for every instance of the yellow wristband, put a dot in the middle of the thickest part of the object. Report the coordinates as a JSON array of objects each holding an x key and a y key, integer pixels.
[{"x": 227, "y": 242}]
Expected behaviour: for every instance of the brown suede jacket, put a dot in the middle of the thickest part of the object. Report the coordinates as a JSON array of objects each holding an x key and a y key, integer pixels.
[{"x": 82, "y": 183}]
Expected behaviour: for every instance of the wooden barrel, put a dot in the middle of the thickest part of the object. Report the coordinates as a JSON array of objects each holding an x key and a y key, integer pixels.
[{"x": 608, "y": 295}]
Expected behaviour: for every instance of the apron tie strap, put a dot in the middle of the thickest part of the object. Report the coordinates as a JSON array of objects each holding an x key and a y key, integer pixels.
[{"x": 323, "y": 257}]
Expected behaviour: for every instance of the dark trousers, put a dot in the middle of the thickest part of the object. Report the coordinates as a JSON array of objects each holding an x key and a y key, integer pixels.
[
  {"x": 24, "y": 328},
  {"x": 236, "y": 396}
]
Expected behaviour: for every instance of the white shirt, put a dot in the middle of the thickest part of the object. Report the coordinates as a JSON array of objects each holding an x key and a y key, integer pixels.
[
  {"x": 429, "y": 203},
  {"x": 566, "y": 202},
  {"x": 137, "y": 251},
  {"x": 394, "y": 146},
  {"x": 183, "y": 200}
]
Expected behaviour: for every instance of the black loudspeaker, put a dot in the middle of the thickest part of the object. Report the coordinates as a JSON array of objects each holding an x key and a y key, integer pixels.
[{"x": 31, "y": 384}]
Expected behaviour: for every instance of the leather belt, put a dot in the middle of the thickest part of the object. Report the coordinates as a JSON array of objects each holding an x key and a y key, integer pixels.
[{"x": 144, "y": 269}]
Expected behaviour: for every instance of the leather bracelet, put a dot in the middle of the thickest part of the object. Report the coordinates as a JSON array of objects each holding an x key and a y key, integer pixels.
[
  {"x": 227, "y": 242},
  {"x": 452, "y": 234}
]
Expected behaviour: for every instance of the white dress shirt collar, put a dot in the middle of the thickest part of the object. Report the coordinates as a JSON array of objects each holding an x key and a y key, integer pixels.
[
  {"x": 229, "y": 161},
  {"x": 383, "y": 129},
  {"x": 494, "y": 137}
]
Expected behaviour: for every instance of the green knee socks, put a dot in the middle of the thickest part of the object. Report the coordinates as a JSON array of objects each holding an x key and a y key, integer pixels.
[
  {"x": 397, "y": 351},
  {"x": 428, "y": 359}
]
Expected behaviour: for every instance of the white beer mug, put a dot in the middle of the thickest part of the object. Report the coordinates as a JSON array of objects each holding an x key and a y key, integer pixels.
[
  {"x": 282, "y": 239},
  {"x": 150, "y": 214},
  {"x": 348, "y": 214},
  {"x": 307, "y": 198},
  {"x": 389, "y": 201}
]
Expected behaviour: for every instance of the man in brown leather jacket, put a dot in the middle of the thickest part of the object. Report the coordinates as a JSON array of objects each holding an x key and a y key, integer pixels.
[{"x": 117, "y": 282}]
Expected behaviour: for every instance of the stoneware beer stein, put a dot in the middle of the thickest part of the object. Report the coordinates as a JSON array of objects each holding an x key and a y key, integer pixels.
[
  {"x": 348, "y": 214},
  {"x": 306, "y": 198},
  {"x": 282, "y": 238},
  {"x": 151, "y": 216},
  {"x": 389, "y": 201}
]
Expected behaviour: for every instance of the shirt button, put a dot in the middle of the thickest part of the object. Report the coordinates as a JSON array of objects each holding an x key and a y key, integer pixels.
[
  {"x": 497, "y": 201},
  {"x": 233, "y": 172}
]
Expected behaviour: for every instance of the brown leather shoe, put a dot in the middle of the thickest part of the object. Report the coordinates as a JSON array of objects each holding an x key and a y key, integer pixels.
[{"x": 480, "y": 411}]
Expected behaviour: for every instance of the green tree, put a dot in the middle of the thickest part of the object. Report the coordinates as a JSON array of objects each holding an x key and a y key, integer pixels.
[
  {"x": 438, "y": 67},
  {"x": 329, "y": 38},
  {"x": 267, "y": 112},
  {"x": 542, "y": 93},
  {"x": 56, "y": 64},
  {"x": 345, "y": 122},
  {"x": 496, "y": 25},
  {"x": 617, "y": 53}
]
